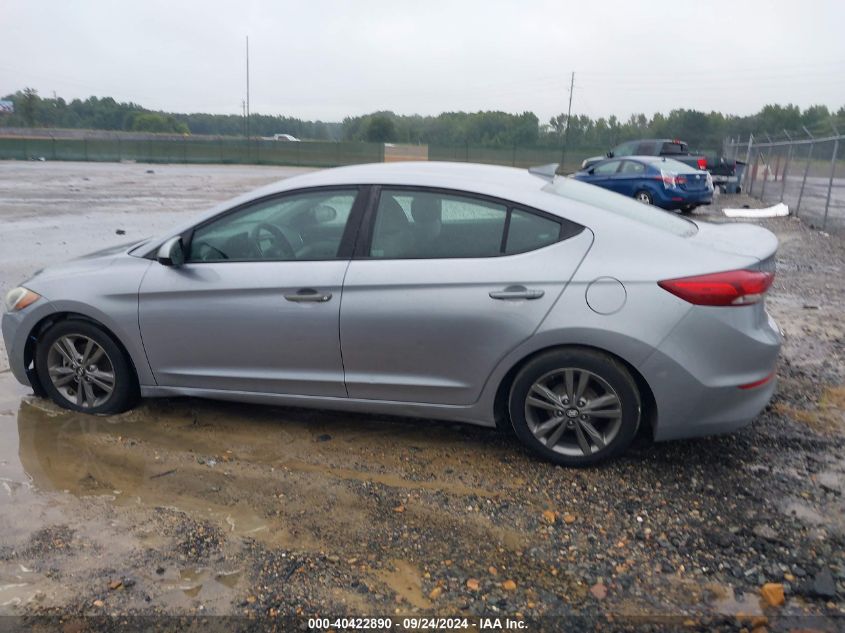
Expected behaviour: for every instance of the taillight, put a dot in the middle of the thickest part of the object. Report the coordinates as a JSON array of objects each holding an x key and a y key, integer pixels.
[
  {"x": 732, "y": 288},
  {"x": 702, "y": 163}
]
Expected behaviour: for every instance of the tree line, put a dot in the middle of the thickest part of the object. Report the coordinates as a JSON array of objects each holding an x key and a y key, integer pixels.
[{"x": 702, "y": 130}]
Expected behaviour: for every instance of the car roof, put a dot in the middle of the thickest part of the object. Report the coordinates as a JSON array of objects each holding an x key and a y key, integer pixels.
[{"x": 417, "y": 173}]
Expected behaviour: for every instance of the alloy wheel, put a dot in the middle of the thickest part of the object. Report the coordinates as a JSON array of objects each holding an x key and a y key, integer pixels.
[
  {"x": 81, "y": 370},
  {"x": 573, "y": 412}
]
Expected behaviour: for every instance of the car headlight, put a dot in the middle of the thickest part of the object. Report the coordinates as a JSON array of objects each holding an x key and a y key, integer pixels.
[{"x": 19, "y": 298}]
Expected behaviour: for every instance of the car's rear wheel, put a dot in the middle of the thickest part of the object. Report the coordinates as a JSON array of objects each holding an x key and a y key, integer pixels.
[
  {"x": 82, "y": 368},
  {"x": 644, "y": 197},
  {"x": 575, "y": 406}
]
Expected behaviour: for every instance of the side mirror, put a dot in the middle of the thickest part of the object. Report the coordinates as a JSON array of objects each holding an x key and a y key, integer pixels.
[{"x": 170, "y": 253}]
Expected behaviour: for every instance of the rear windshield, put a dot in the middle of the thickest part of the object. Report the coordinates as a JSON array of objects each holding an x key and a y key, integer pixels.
[
  {"x": 622, "y": 205},
  {"x": 674, "y": 148},
  {"x": 674, "y": 166}
]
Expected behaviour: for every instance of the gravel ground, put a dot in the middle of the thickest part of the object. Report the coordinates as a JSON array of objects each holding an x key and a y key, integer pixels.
[{"x": 186, "y": 507}]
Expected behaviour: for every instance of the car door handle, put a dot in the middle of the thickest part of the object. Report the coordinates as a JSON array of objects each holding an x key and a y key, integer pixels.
[
  {"x": 516, "y": 292},
  {"x": 308, "y": 294}
]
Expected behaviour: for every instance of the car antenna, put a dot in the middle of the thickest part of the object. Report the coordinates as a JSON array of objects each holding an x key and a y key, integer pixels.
[{"x": 548, "y": 171}]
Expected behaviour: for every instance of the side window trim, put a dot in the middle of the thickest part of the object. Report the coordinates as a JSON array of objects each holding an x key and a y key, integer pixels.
[{"x": 363, "y": 243}]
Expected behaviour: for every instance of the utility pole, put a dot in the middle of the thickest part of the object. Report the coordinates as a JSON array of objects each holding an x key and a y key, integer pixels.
[
  {"x": 243, "y": 113},
  {"x": 247, "y": 87},
  {"x": 568, "y": 119}
]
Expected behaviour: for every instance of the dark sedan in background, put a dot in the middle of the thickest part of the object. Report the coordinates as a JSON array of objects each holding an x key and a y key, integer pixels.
[{"x": 663, "y": 182}]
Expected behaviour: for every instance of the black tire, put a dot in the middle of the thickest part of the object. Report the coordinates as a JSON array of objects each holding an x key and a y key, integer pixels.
[
  {"x": 602, "y": 371},
  {"x": 125, "y": 391},
  {"x": 644, "y": 196}
]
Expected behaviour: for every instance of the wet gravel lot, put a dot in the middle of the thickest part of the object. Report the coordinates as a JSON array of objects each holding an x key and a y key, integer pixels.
[{"x": 191, "y": 507}]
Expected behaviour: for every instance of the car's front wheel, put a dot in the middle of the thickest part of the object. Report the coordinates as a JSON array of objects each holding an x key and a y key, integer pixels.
[
  {"x": 82, "y": 368},
  {"x": 575, "y": 406}
]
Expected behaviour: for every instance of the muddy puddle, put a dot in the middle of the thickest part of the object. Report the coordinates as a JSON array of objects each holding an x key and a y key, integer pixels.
[{"x": 286, "y": 479}]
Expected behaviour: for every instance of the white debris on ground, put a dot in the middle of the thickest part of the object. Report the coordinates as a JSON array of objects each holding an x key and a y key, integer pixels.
[{"x": 776, "y": 211}]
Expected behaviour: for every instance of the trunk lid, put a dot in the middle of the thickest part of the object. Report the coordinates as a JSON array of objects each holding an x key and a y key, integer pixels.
[
  {"x": 738, "y": 238},
  {"x": 695, "y": 182}
]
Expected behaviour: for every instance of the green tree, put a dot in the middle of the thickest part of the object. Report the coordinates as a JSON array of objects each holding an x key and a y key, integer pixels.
[
  {"x": 380, "y": 129},
  {"x": 156, "y": 122},
  {"x": 30, "y": 104}
]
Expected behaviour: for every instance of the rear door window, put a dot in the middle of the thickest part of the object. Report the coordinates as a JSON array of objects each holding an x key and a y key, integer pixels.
[
  {"x": 419, "y": 224},
  {"x": 674, "y": 148},
  {"x": 422, "y": 225},
  {"x": 528, "y": 231},
  {"x": 632, "y": 168}
]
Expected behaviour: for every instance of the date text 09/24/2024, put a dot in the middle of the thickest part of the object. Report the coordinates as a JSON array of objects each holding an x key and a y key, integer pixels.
[{"x": 416, "y": 624}]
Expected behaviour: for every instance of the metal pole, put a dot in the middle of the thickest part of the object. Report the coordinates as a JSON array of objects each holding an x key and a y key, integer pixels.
[
  {"x": 568, "y": 121},
  {"x": 830, "y": 182},
  {"x": 748, "y": 159},
  {"x": 804, "y": 179},
  {"x": 247, "y": 95},
  {"x": 785, "y": 172},
  {"x": 765, "y": 166},
  {"x": 753, "y": 174}
]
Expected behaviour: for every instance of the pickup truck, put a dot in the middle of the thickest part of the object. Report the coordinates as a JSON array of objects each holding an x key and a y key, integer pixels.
[{"x": 670, "y": 148}]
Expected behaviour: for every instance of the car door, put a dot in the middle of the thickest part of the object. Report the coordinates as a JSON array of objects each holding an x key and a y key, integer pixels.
[
  {"x": 629, "y": 178},
  {"x": 604, "y": 174},
  {"x": 256, "y": 305},
  {"x": 443, "y": 285}
]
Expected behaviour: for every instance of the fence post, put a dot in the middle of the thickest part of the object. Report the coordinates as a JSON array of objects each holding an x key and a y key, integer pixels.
[
  {"x": 765, "y": 166},
  {"x": 830, "y": 182},
  {"x": 785, "y": 172},
  {"x": 753, "y": 174},
  {"x": 53, "y": 138},
  {"x": 806, "y": 171},
  {"x": 748, "y": 160},
  {"x": 85, "y": 146}
]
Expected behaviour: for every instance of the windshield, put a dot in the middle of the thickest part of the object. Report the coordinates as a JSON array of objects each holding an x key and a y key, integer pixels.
[{"x": 622, "y": 205}]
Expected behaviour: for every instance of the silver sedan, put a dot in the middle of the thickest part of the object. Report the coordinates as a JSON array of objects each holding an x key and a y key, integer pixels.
[{"x": 489, "y": 295}]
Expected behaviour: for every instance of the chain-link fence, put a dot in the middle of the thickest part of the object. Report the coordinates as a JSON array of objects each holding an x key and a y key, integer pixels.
[
  {"x": 189, "y": 150},
  {"x": 805, "y": 171},
  {"x": 168, "y": 148}
]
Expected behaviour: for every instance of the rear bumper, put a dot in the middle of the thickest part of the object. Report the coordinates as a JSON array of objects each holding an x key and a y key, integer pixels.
[
  {"x": 675, "y": 199},
  {"x": 696, "y": 373}
]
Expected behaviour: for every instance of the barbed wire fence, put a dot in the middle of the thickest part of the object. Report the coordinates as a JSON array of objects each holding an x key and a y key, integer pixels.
[{"x": 802, "y": 169}]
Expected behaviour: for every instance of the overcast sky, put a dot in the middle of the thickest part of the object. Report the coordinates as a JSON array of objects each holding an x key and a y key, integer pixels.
[{"x": 326, "y": 59}]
